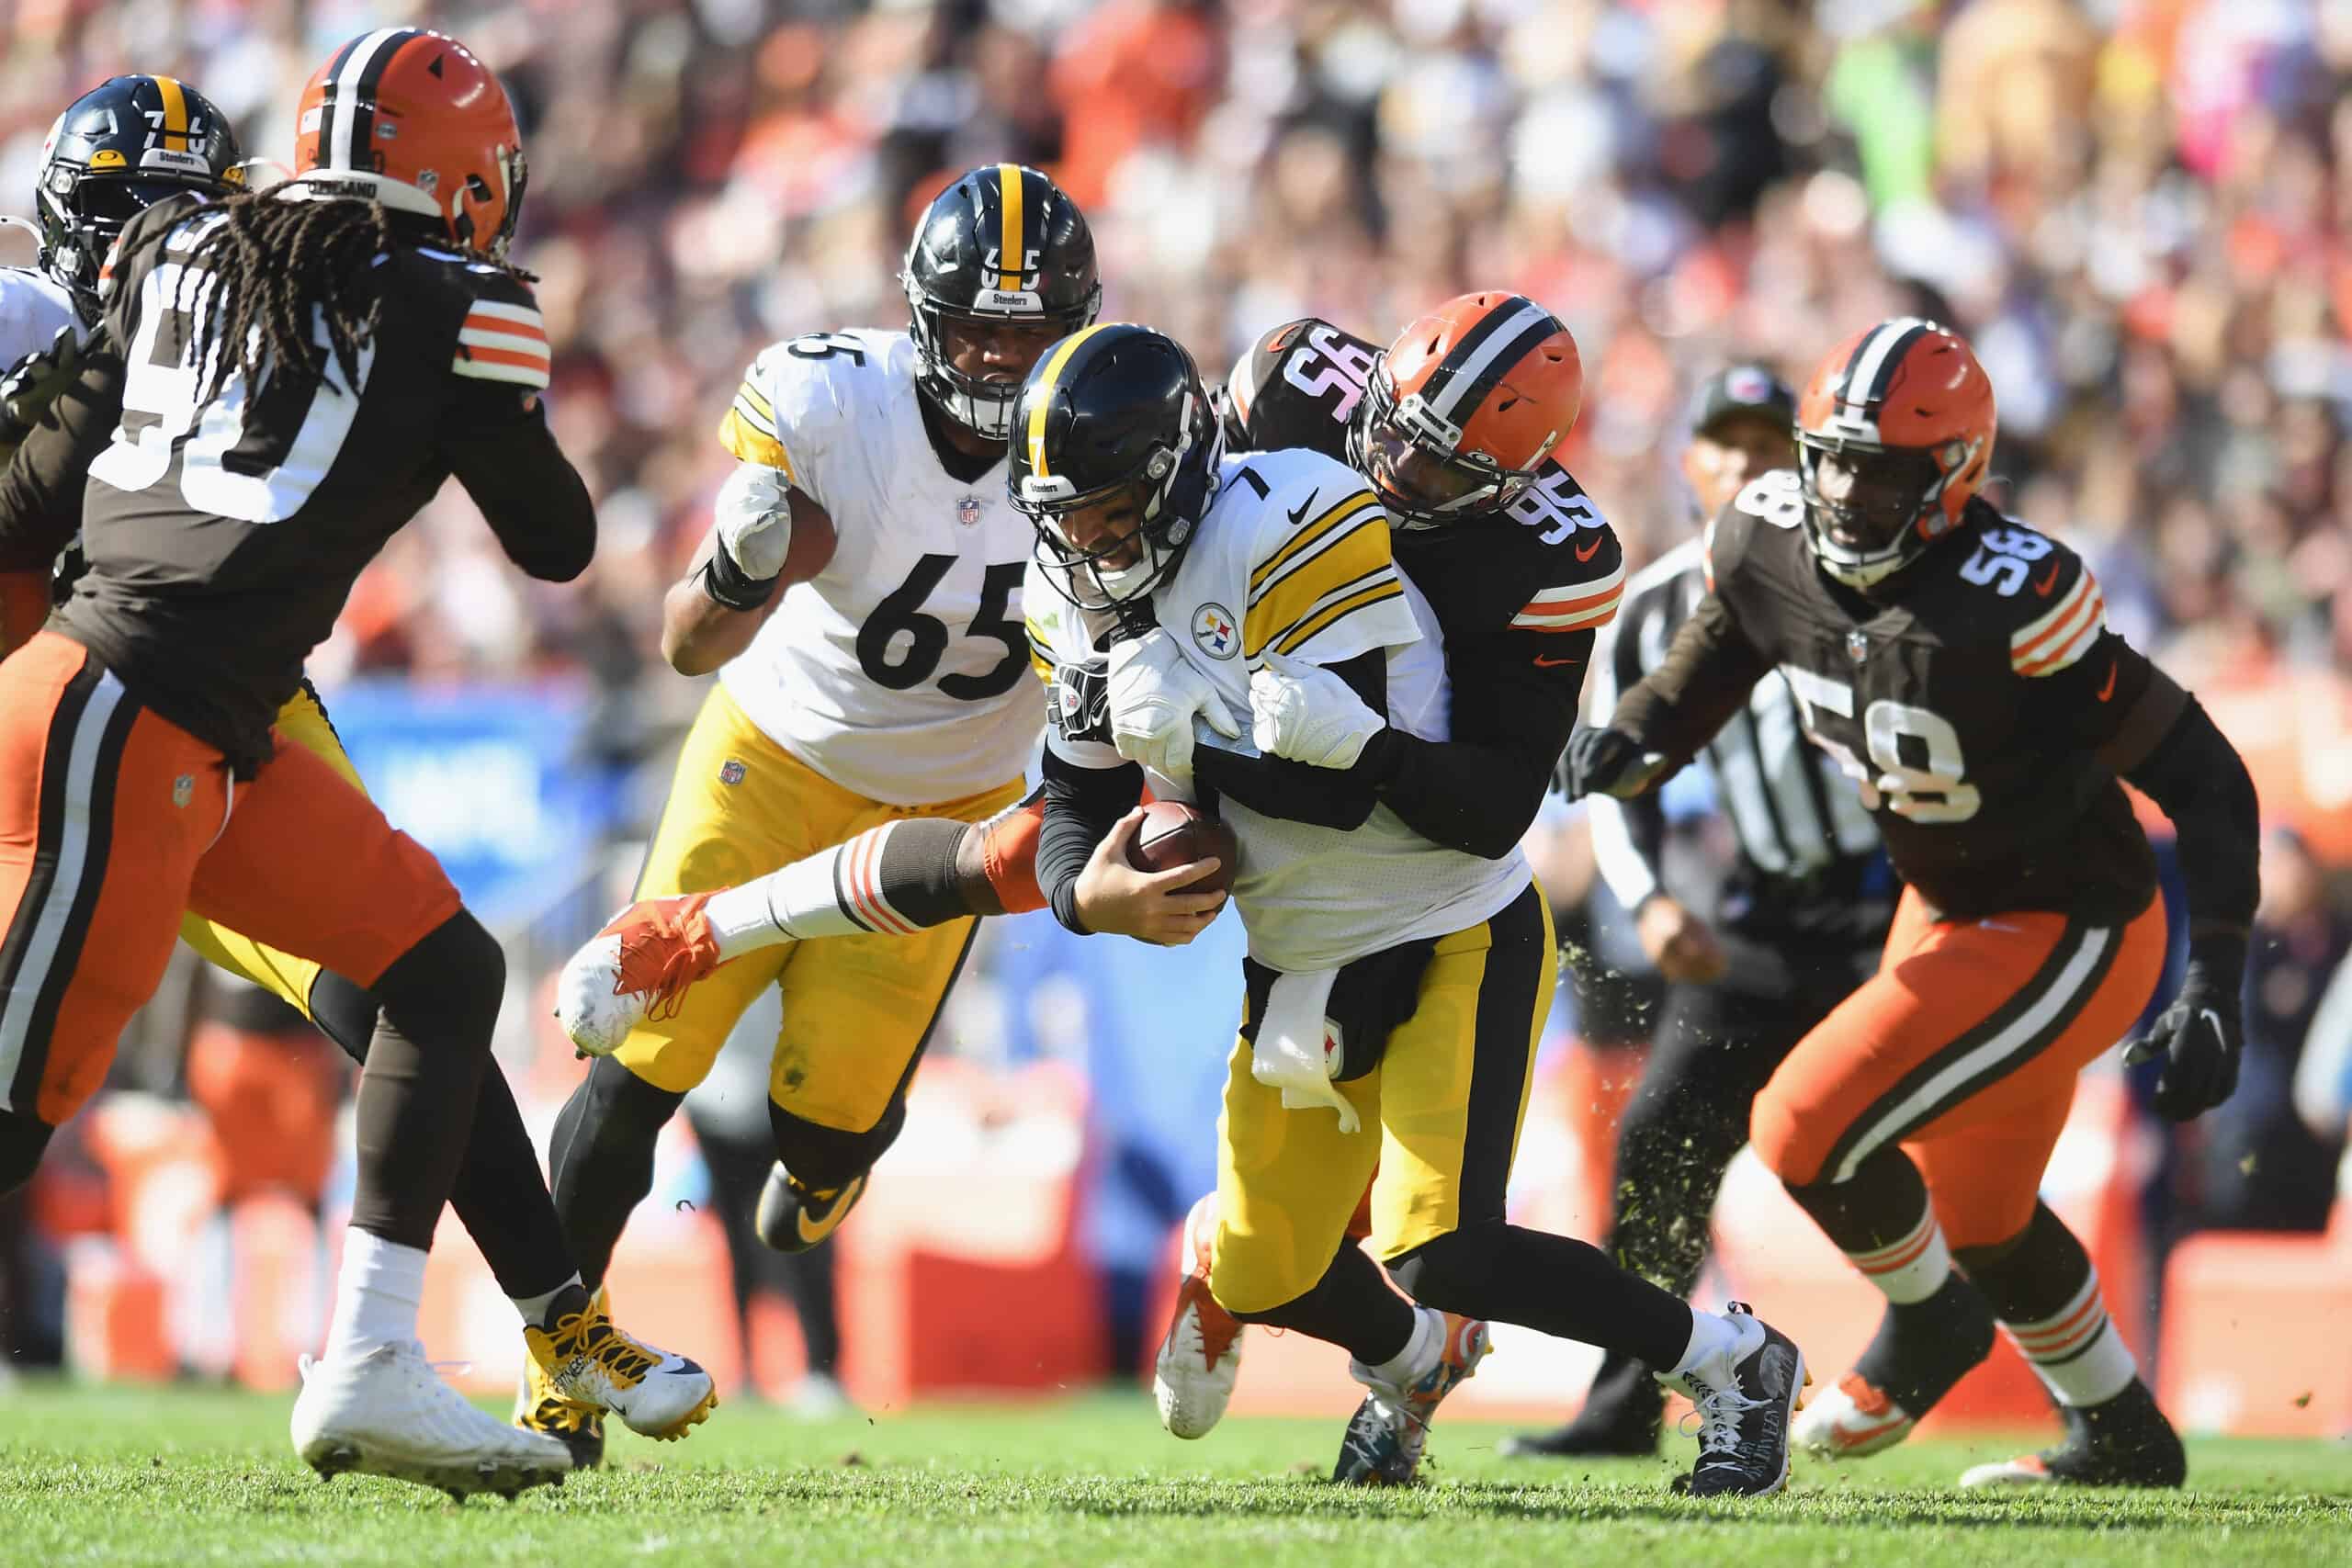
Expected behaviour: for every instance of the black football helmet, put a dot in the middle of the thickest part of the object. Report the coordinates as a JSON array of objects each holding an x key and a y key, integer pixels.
[
  {"x": 123, "y": 145},
  {"x": 1115, "y": 409},
  {"x": 1004, "y": 243}
]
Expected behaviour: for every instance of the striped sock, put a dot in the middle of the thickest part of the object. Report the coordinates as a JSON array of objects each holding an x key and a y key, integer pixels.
[
  {"x": 2076, "y": 1351},
  {"x": 1913, "y": 1269}
]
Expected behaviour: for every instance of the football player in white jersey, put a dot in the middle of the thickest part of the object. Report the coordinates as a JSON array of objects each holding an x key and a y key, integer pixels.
[
  {"x": 860, "y": 595},
  {"x": 1396, "y": 989}
]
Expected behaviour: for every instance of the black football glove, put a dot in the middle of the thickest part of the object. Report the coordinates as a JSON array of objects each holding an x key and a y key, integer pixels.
[
  {"x": 2198, "y": 1037},
  {"x": 34, "y": 383},
  {"x": 1605, "y": 762}
]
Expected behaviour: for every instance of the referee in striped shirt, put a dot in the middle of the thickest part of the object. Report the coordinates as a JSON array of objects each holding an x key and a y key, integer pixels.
[{"x": 1798, "y": 918}]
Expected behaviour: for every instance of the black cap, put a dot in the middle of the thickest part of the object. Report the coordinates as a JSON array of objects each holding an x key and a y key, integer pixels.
[{"x": 1745, "y": 388}]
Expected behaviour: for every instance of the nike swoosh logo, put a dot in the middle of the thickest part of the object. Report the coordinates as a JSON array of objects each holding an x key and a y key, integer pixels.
[
  {"x": 2213, "y": 1020},
  {"x": 2049, "y": 582},
  {"x": 1588, "y": 552},
  {"x": 1300, "y": 515},
  {"x": 1541, "y": 663},
  {"x": 2109, "y": 690}
]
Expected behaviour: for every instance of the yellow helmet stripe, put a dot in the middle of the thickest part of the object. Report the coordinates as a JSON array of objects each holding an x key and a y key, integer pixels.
[
  {"x": 1041, "y": 396},
  {"x": 1010, "y": 257},
  {"x": 175, "y": 112}
]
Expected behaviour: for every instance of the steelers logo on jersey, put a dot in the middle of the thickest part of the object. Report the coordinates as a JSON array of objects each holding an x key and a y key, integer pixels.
[{"x": 1214, "y": 630}]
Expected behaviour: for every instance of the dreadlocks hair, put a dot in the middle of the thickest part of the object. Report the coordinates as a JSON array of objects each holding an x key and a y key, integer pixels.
[{"x": 271, "y": 262}]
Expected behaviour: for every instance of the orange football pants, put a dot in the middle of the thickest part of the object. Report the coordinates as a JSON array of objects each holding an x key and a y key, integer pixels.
[
  {"x": 1962, "y": 1050},
  {"x": 113, "y": 821}
]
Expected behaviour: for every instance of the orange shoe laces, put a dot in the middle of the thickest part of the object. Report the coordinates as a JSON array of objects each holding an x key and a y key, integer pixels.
[{"x": 663, "y": 954}]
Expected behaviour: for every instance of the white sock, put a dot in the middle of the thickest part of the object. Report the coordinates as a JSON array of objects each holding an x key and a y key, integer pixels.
[
  {"x": 376, "y": 1295},
  {"x": 534, "y": 1308},
  {"x": 2076, "y": 1351},
  {"x": 1428, "y": 1339},
  {"x": 1913, "y": 1269},
  {"x": 799, "y": 901},
  {"x": 1709, "y": 1334}
]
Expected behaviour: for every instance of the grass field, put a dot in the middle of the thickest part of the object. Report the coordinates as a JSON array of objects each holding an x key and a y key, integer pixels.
[{"x": 122, "y": 1476}]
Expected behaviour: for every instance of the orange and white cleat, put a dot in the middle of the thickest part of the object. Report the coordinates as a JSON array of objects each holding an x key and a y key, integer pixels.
[
  {"x": 637, "y": 968},
  {"x": 1852, "y": 1421},
  {"x": 1200, "y": 1358}
]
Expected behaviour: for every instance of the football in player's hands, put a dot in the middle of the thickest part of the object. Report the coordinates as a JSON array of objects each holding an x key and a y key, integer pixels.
[{"x": 1173, "y": 834}]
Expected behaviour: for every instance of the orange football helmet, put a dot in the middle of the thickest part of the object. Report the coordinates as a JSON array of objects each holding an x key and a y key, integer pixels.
[
  {"x": 1894, "y": 435},
  {"x": 1461, "y": 410},
  {"x": 413, "y": 120}
]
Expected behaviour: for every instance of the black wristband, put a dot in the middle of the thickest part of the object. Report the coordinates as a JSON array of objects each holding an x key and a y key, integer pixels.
[
  {"x": 2220, "y": 957},
  {"x": 726, "y": 583}
]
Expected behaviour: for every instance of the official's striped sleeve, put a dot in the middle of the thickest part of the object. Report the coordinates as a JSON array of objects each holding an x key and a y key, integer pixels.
[
  {"x": 1328, "y": 590},
  {"x": 2066, "y": 632},
  {"x": 503, "y": 341},
  {"x": 749, "y": 431}
]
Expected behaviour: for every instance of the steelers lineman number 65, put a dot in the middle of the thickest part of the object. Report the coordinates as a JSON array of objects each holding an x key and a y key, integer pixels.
[{"x": 1932, "y": 793}]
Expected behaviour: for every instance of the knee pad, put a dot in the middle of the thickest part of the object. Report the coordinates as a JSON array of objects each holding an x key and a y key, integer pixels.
[
  {"x": 449, "y": 987},
  {"x": 826, "y": 1158},
  {"x": 22, "y": 1142}
]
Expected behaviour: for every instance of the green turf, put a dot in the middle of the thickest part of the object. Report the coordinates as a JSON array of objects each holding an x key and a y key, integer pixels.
[{"x": 117, "y": 1476}]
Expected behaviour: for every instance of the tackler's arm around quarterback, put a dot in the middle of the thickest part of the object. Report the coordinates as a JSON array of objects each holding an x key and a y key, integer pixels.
[
  {"x": 765, "y": 534},
  {"x": 1337, "y": 792},
  {"x": 1152, "y": 695}
]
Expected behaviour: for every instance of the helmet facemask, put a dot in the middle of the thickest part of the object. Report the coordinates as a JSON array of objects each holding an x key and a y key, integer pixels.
[
  {"x": 1417, "y": 466},
  {"x": 1872, "y": 510},
  {"x": 1102, "y": 562},
  {"x": 981, "y": 404}
]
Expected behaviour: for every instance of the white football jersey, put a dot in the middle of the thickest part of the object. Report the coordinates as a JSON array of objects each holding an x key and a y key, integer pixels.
[
  {"x": 32, "y": 307},
  {"x": 900, "y": 672},
  {"x": 1294, "y": 556}
]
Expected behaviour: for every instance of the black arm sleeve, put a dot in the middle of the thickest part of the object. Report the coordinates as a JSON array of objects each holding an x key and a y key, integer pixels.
[
  {"x": 1296, "y": 792},
  {"x": 2197, "y": 777},
  {"x": 1479, "y": 791},
  {"x": 1704, "y": 678},
  {"x": 1082, "y": 805},
  {"x": 40, "y": 500},
  {"x": 532, "y": 497}
]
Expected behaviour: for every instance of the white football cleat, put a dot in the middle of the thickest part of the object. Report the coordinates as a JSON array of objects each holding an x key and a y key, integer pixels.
[
  {"x": 1852, "y": 1421},
  {"x": 388, "y": 1412},
  {"x": 1200, "y": 1358},
  {"x": 637, "y": 968}
]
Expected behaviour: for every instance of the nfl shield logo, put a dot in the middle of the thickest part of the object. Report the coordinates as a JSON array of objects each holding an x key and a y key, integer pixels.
[
  {"x": 730, "y": 772},
  {"x": 183, "y": 789},
  {"x": 968, "y": 511},
  {"x": 1858, "y": 646}
]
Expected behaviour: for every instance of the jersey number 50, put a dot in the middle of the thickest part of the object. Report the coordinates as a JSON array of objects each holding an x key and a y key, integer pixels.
[{"x": 1933, "y": 793}]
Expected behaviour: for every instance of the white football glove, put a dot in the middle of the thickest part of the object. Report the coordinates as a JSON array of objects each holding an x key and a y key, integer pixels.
[
  {"x": 1304, "y": 711},
  {"x": 1154, "y": 692},
  {"x": 754, "y": 519}
]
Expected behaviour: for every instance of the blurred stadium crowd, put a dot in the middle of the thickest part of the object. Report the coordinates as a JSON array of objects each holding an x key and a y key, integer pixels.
[{"x": 2137, "y": 210}]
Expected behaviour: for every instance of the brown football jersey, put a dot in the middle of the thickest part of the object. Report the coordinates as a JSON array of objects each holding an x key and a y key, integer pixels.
[{"x": 1970, "y": 703}]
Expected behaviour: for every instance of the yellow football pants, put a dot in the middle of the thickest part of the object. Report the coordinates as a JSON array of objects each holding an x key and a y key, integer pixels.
[
  {"x": 1441, "y": 1116},
  {"x": 304, "y": 723},
  {"x": 857, "y": 1008}
]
